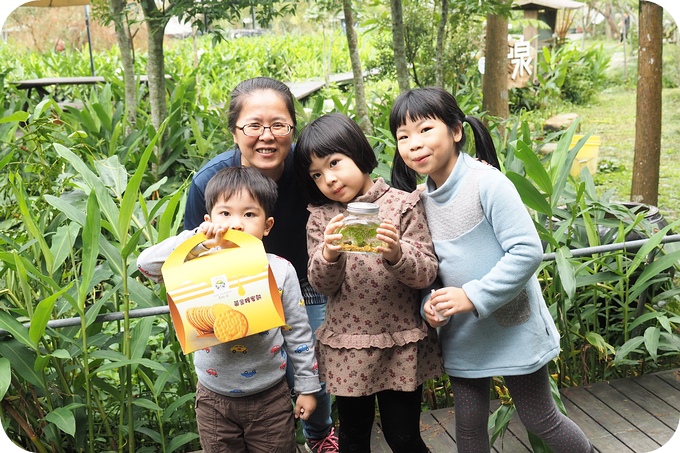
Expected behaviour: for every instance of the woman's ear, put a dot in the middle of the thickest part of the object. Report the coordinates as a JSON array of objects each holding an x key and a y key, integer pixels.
[{"x": 268, "y": 224}]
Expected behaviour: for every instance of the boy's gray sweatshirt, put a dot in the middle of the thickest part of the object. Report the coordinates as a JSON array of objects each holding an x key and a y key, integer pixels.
[{"x": 258, "y": 362}]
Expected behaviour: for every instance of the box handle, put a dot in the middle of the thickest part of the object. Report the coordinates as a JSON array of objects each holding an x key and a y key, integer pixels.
[{"x": 179, "y": 255}]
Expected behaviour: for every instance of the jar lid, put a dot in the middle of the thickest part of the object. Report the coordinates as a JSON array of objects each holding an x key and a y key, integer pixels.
[{"x": 359, "y": 207}]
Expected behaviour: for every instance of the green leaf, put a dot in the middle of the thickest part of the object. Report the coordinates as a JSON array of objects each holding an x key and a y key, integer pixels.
[
  {"x": 16, "y": 117},
  {"x": 72, "y": 213},
  {"x": 5, "y": 376},
  {"x": 22, "y": 360},
  {"x": 7, "y": 159},
  {"x": 599, "y": 343},
  {"x": 146, "y": 404},
  {"x": 43, "y": 313},
  {"x": 62, "y": 244},
  {"x": 534, "y": 168},
  {"x": 153, "y": 435},
  {"x": 106, "y": 204},
  {"x": 91, "y": 232},
  {"x": 17, "y": 329},
  {"x": 140, "y": 337},
  {"x": 22, "y": 198},
  {"x": 529, "y": 194},
  {"x": 652, "y": 341},
  {"x": 121, "y": 363},
  {"x": 127, "y": 206},
  {"x": 181, "y": 440},
  {"x": 181, "y": 401},
  {"x": 629, "y": 346},
  {"x": 643, "y": 318},
  {"x": 653, "y": 270},
  {"x": 113, "y": 175},
  {"x": 566, "y": 271},
  {"x": 63, "y": 419}
]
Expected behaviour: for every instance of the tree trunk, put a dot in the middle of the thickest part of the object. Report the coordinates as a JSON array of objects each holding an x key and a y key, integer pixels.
[
  {"x": 399, "y": 46},
  {"x": 439, "y": 51},
  {"x": 156, "y": 21},
  {"x": 127, "y": 57},
  {"x": 353, "y": 46},
  {"x": 645, "y": 185},
  {"x": 495, "y": 81}
]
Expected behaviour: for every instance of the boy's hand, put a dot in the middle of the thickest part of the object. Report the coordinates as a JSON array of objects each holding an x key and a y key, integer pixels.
[
  {"x": 389, "y": 235},
  {"x": 305, "y": 406},
  {"x": 213, "y": 232},
  {"x": 331, "y": 250}
]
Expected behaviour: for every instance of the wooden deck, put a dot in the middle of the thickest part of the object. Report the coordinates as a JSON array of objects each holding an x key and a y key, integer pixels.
[{"x": 625, "y": 415}]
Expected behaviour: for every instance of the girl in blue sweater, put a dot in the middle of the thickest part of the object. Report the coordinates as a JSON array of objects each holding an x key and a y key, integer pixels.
[{"x": 492, "y": 317}]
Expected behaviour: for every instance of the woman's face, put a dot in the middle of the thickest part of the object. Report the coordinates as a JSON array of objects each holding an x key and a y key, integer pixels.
[{"x": 267, "y": 152}]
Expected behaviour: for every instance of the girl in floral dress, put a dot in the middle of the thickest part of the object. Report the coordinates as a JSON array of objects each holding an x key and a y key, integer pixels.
[{"x": 373, "y": 344}]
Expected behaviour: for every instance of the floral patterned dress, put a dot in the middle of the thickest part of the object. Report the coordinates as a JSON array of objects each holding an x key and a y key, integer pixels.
[{"x": 373, "y": 337}]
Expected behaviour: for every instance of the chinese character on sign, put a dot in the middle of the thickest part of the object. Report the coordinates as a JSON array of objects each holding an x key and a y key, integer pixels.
[{"x": 520, "y": 57}]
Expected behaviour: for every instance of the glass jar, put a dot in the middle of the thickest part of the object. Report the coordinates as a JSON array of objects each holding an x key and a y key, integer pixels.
[{"x": 359, "y": 229}]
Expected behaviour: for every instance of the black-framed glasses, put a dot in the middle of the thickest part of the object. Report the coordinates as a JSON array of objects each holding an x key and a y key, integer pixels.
[{"x": 255, "y": 129}]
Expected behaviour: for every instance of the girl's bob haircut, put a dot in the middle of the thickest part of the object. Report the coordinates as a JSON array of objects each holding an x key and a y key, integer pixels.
[{"x": 330, "y": 134}]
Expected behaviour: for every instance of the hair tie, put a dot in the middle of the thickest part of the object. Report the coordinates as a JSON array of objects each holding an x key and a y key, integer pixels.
[{"x": 466, "y": 118}]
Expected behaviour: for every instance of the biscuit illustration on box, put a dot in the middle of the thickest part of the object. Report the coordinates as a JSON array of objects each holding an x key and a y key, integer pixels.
[{"x": 221, "y": 296}]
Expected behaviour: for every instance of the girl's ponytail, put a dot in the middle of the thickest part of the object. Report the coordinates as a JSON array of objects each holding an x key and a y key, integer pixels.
[
  {"x": 403, "y": 177},
  {"x": 484, "y": 147}
]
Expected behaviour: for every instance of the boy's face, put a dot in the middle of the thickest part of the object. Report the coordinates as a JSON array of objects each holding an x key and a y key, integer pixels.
[{"x": 243, "y": 213}]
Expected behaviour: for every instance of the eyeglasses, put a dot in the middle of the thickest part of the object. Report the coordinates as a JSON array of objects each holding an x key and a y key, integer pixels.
[{"x": 255, "y": 130}]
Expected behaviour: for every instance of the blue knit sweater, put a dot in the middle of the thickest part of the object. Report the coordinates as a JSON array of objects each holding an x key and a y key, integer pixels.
[{"x": 487, "y": 244}]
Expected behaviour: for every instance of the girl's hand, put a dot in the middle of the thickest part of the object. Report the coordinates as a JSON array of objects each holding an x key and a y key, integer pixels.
[
  {"x": 213, "y": 232},
  {"x": 431, "y": 316},
  {"x": 389, "y": 235},
  {"x": 305, "y": 406},
  {"x": 331, "y": 250},
  {"x": 451, "y": 300}
]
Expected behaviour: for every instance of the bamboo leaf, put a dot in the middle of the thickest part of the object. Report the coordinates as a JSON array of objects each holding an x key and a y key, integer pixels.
[
  {"x": 62, "y": 244},
  {"x": 529, "y": 194},
  {"x": 153, "y": 435},
  {"x": 651, "y": 244},
  {"x": 113, "y": 175},
  {"x": 181, "y": 401},
  {"x": 181, "y": 440},
  {"x": 17, "y": 329},
  {"x": 43, "y": 313},
  {"x": 63, "y": 419},
  {"x": 629, "y": 346},
  {"x": 165, "y": 222},
  {"x": 72, "y": 213},
  {"x": 106, "y": 204},
  {"x": 22, "y": 360},
  {"x": 140, "y": 337},
  {"x": 121, "y": 363},
  {"x": 146, "y": 404},
  {"x": 91, "y": 233},
  {"x": 29, "y": 221},
  {"x": 596, "y": 340},
  {"x": 566, "y": 271},
  {"x": 643, "y": 318},
  {"x": 127, "y": 206},
  {"x": 653, "y": 270},
  {"x": 652, "y": 341},
  {"x": 7, "y": 159},
  {"x": 534, "y": 168},
  {"x": 5, "y": 376},
  {"x": 16, "y": 117}
]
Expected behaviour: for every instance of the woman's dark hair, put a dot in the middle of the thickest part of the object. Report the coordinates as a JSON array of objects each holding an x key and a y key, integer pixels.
[
  {"x": 232, "y": 180},
  {"x": 438, "y": 104},
  {"x": 248, "y": 87},
  {"x": 326, "y": 135}
]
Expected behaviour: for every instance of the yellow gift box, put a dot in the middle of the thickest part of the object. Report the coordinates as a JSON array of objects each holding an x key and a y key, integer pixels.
[{"x": 222, "y": 295}]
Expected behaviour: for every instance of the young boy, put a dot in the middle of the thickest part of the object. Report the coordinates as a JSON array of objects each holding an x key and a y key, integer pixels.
[{"x": 242, "y": 398}]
